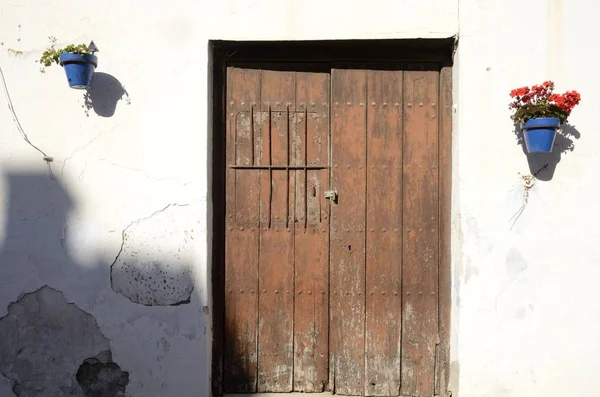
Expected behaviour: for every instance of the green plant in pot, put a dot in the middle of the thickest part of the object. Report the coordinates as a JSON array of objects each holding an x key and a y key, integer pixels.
[{"x": 78, "y": 61}]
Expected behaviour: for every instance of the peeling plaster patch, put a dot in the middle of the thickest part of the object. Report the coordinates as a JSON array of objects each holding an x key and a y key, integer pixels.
[
  {"x": 43, "y": 342},
  {"x": 5, "y": 387},
  {"x": 163, "y": 344},
  {"x": 515, "y": 264},
  {"x": 470, "y": 271},
  {"x": 483, "y": 244},
  {"x": 15, "y": 53},
  {"x": 100, "y": 377},
  {"x": 521, "y": 313},
  {"x": 153, "y": 266}
]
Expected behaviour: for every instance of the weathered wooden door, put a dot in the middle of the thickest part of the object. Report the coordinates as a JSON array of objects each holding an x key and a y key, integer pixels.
[{"x": 335, "y": 227}]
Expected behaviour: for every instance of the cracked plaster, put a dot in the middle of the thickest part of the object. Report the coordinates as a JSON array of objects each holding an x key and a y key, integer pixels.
[
  {"x": 5, "y": 387},
  {"x": 152, "y": 267},
  {"x": 44, "y": 340}
]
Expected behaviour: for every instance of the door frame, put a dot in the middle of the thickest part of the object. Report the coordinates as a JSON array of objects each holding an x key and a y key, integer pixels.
[{"x": 321, "y": 55}]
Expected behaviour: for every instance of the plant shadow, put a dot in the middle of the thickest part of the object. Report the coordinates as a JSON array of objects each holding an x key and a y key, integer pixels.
[
  {"x": 543, "y": 165},
  {"x": 104, "y": 94}
]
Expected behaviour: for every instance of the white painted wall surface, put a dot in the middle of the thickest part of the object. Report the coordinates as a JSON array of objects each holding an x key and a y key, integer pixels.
[
  {"x": 527, "y": 297},
  {"x": 525, "y": 312}
]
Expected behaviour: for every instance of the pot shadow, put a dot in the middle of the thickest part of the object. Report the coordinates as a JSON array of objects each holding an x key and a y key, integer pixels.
[
  {"x": 543, "y": 165},
  {"x": 104, "y": 94}
]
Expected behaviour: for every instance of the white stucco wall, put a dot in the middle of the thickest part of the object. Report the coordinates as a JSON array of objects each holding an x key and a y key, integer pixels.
[
  {"x": 524, "y": 310},
  {"x": 528, "y": 313}
]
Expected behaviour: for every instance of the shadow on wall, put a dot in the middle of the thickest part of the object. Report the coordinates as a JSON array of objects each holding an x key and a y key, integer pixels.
[
  {"x": 104, "y": 94},
  {"x": 543, "y": 165},
  {"x": 48, "y": 343}
]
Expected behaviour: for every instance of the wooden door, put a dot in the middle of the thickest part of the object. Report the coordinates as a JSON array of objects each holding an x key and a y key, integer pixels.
[{"x": 336, "y": 230}]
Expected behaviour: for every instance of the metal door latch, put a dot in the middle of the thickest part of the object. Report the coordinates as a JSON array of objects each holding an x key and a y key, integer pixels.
[{"x": 331, "y": 195}]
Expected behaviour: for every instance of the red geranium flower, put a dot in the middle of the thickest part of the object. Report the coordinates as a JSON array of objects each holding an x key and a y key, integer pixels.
[{"x": 541, "y": 101}]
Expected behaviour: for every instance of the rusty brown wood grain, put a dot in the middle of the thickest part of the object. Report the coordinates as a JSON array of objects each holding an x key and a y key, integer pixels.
[
  {"x": 311, "y": 244},
  {"x": 347, "y": 242},
  {"x": 241, "y": 252},
  {"x": 445, "y": 201},
  {"x": 276, "y": 267},
  {"x": 421, "y": 233},
  {"x": 384, "y": 237},
  {"x": 363, "y": 307}
]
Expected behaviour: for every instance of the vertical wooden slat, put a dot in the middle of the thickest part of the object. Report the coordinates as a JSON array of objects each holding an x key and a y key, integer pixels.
[
  {"x": 384, "y": 238},
  {"x": 421, "y": 233},
  {"x": 445, "y": 189},
  {"x": 347, "y": 230},
  {"x": 241, "y": 253},
  {"x": 311, "y": 314},
  {"x": 276, "y": 267}
]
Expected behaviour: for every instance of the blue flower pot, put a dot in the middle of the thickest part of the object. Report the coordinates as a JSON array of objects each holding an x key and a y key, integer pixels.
[
  {"x": 539, "y": 134},
  {"x": 79, "y": 69}
]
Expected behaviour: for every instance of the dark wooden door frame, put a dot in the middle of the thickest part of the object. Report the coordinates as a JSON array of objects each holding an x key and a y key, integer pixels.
[{"x": 323, "y": 55}]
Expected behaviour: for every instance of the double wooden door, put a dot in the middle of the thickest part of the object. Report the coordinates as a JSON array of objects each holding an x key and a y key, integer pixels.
[{"x": 335, "y": 231}]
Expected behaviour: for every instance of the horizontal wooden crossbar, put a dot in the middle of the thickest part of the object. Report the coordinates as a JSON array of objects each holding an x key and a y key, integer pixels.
[{"x": 279, "y": 167}]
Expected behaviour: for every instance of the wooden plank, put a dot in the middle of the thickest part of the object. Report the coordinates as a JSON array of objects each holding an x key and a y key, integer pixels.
[
  {"x": 241, "y": 253},
  {"x": 445, "y": 189},
  {"x": 384, "y": 238},
  {"x": 276, "y": 267},
  {"x": 347, "y": 242},
  {"x": 311, "y": 244},
  {"x": 421, "y": 233}
]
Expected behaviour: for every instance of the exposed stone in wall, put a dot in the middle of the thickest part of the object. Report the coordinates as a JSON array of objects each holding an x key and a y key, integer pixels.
[
  {"x": 43, "y": 343},
  {"x": 153, "y": 265},
  {"x": 100, "y": 377},
  {"x": 5, "y": 387}
]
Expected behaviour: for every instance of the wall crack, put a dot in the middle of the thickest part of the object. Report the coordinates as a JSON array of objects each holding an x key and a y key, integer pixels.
[
  {"x": 144, "y": 173},
  {"x": 124, "y": 232},
  {"x": 62, "y": 171},
  {"x": 152, "y": 266}
]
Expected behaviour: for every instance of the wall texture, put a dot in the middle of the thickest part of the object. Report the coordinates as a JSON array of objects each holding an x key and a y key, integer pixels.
[
  {"x": 117, "y": 242},
  {"x": 527, "y": 312}
]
